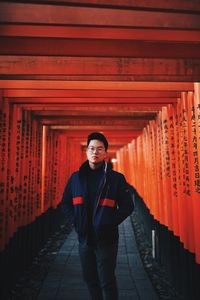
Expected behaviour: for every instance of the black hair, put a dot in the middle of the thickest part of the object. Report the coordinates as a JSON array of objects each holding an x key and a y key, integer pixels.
[{"x": 98, "y": 136}]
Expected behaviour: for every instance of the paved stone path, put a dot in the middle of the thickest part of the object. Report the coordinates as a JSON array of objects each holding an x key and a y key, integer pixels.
[{"x": 64, "y": 280}]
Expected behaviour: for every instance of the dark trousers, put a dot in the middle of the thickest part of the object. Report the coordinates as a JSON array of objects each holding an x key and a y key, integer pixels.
[{"x": 98, "y": 266}]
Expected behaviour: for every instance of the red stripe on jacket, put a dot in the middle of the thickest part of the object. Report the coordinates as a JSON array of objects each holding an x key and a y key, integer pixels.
[
  {"x": 77, "y": 200},
  {"x": 107, "y": 202}
]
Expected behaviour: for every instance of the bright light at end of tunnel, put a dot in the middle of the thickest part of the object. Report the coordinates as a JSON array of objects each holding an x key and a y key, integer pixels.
[{"x": 113, "y": 160}]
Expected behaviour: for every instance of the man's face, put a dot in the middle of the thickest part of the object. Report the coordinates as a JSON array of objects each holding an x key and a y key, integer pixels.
[{"x": 96, "y": 152}]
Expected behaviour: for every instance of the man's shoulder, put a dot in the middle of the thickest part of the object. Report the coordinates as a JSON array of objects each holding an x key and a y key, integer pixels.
[
  {"x": 74, "y": 175},
  {"x": 116, "y": 174}
]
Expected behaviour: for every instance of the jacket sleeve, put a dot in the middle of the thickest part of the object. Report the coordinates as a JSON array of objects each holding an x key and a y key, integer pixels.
[
  {"x": 66, "y": 203},
  {"x": 125, "y": 201}
]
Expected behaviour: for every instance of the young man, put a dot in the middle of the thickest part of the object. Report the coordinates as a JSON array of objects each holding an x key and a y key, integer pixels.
[{"x": 97, "y": 199}]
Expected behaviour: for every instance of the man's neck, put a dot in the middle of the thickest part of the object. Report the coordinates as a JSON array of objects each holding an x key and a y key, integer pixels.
[{"x": 95, "y": 166}]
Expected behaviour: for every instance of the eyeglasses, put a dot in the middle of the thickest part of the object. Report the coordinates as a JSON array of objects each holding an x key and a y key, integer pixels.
[{"x": 98, "y": 149}]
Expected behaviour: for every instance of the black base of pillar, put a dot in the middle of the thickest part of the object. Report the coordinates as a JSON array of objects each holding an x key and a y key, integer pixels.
[
  {"x": 24, "y": 246},
  {"x": 179, "y": 264}
]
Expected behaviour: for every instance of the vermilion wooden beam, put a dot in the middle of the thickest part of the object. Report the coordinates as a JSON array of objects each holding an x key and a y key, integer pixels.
[
  {"x": 83, "y": 133},
  {"x": 86, "y": 120},
  {"x": 87, "y": 16},
  {"x": 95, "y": 114},
  {"x": 191, "y": 5},
  {"x": 61, "y": 96},
  {"x": 102, "y": 85},
  {"x": 94, "y": 107},
  {"x": 74, "y": 116},
  {"x": 19, "y": 65},
  {"x": 81, "y": 136},
  {"x": 98, "y": 126},
  {"x": 97, "y": 47},
  {"x": 126, "y": 136},
  {"x": 116, "y": 101},
  {"x": 92, "y": 127},
  {"x": 169, "y": 78},
  {"x": 78, "y": 32}
]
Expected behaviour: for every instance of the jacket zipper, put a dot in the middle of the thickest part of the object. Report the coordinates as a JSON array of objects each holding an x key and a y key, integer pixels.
[{"x": 105, "y": 169}]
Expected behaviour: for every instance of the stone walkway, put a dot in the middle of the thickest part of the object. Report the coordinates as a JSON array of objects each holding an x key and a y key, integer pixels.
[{"x": 64, "y": 279}]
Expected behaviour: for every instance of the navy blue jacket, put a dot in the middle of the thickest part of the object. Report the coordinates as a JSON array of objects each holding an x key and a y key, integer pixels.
[{"x": 114, "y": 203}]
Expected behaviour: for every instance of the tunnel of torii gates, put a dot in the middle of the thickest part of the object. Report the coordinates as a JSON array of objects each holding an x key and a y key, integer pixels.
[{"x": 129, "y": 69}]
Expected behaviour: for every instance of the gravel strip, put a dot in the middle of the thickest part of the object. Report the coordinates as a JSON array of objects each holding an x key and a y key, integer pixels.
[
  {"x": 156, "y": 273},
  {"x": 30, "y": 282}
]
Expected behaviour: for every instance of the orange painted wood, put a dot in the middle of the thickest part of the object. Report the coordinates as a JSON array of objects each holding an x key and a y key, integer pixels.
[
  {"x": 57, "y": 95},
  {"x": 137, "y": 124},
  {"x": 55, "y": 170},
  {"x": 122, "y": 78},
  {"x": 29, "y": 170},
  {"x": 180, "y": 120},
  {"x": 155, "y": 188},
  {"x": 101, "y": 85},
  {"x": 93, "y": 119},
  {"x": 62, "y": 176},
  {"x": 44, "y": 136},
  {"x": 4, "y": 179},
  {"x": 161, "y": 4},
  {"x": 34, "y": 171},
  {"x": 25, "y": 167},
  {"x": 189, "y": 173},
  {"x": 50, "y": 143},
  {"x": 150, "y": 192},
  {"x": 78, "y": 32},
  {"x": 94, "y": 109},
  {"x": 147, "y": 103},
  {"x": 69, "y": 15},
  {"x": 191, "y": 195},
  {"x": 14, "y": 190},
  {"x": 196, "y": 164},
  {"x": 38, "y": 168},
  {"x": 162, "y": 203},
  {"x": 111, "y": 134},
  {"x": 166, "y": 169},
  {"x": 186, "y": 176},
  {"x": 98, "y": 47},
  {"x": 7, "y": 111},
  {"x": 44, "y": 65},
  {"x": 174, "y": 180},
  {"x": 177, "y": 172},
  {"x": 157, "y": 165}
]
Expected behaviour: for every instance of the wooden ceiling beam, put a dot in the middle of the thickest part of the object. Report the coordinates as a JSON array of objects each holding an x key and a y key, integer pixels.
[
  {"x": 96, "y": 85},
  {"x": 78, "y": 32},
  {"x": 43, "y": 65},
  {"x": 139, "y": 77},
  {"x": 82, "y": 133},
  {"x": 191, "y": 5},
  {"x": 87, "y": 16},
  {"x": 90, "y": 120},
  {"x": 116, "y": 101},
  {"x": 107, "y": 116},
  {"x": 63, "y": 96},
  {"x": 99, "y": 48},
  {"x": 91, "y": 128},
  {"x": 93, "y": 107},
  {"x": 82, "y": 66}
]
